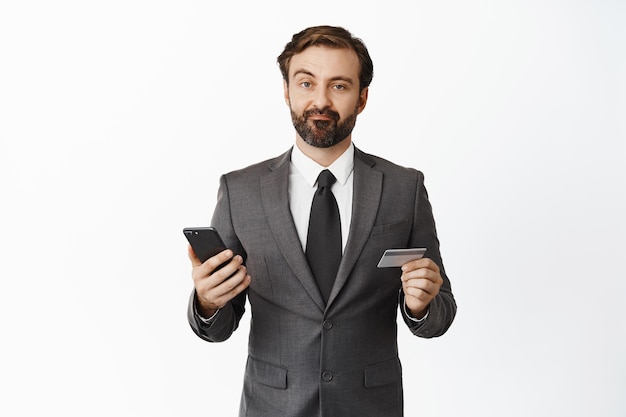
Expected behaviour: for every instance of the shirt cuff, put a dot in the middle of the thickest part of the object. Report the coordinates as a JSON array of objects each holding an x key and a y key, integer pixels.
[
  {"x": 406, "y": 313},
  {"x": 204, "y": 319}
]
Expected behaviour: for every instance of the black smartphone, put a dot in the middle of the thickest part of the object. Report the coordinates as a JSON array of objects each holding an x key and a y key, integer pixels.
[{"x": 205, "y": 241}]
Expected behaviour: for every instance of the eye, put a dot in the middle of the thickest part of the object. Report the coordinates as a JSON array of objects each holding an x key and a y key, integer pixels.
[
  {"x": 339, "y": 87},
  {"x": 305, "y": 84}
]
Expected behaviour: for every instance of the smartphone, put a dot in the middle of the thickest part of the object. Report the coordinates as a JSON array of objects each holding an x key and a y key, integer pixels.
[
  {"x": 205, "y": 241},
  {"x": 398, "y": 257}
]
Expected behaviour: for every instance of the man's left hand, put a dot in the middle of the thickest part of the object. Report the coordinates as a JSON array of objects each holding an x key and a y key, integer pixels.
[{"x": 421, "y": 281}]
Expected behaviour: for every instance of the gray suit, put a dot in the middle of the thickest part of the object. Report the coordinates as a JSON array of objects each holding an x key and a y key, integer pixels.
[{"x": 307, "y": 358}]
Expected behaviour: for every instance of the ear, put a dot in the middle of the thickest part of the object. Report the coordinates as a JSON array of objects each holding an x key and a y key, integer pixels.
[
  {"x": 286, "y": 92},
  {"x": 362, "y": 99}
]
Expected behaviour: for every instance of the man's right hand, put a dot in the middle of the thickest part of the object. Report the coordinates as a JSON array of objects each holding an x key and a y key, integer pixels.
[{"x": 215, "y": 288}]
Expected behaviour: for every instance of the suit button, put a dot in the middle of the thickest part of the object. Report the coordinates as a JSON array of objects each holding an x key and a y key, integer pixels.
[
  {"x": 327, "y": 324},
  {"x": 327, "y": 376}
]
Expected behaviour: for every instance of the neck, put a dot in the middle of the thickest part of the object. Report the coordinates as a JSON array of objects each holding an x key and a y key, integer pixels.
[{"x": 323, "y": 156}]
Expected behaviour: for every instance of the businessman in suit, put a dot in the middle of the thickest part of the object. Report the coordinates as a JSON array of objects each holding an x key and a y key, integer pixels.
[{"x": 322, "y": 347}]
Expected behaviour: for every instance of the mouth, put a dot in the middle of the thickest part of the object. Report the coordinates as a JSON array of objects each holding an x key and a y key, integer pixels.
[
  {"x": 322, "y": 116},
  {"x": 320, "y": 122}
]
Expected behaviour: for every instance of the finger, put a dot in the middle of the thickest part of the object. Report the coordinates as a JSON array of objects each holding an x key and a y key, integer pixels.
[
  {"x": 245, "y": 283},
  {"x": 202, "y": 272},
  {"x": 427, "y": 270},
  {"x": 233, "y": 282},
  {"x": 211, "y": 264},
  {"x": 229, "y": 289},
  {"x": 422, "y": 274},
  {"x": 416, "y": 287},
  {"x": 420, "y": 263},
  {"x": 224, "y": 271},
  {"x": 213, "y": 288}
]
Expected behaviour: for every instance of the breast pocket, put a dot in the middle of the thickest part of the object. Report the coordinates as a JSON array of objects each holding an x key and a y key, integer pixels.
[
  {"x": 399, "y": 228},
  {"x": 385, "y": 236}
]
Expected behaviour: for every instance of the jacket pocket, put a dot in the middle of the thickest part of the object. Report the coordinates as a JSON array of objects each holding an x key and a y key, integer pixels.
[
  {"x": 383, "y": 373},
  {"x": 266, "y": 374},
  {"x": 389, "y": 228}
]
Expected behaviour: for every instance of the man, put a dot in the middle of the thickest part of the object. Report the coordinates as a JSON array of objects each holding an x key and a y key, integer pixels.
[{"x": 322, "y": 348}]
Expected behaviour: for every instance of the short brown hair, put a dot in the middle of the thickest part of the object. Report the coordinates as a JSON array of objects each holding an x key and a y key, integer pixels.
[{"x": 333, "y": 37}]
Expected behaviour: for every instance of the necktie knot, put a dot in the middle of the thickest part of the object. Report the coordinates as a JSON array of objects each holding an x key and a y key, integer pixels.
[{"x": 325, "y": 179}]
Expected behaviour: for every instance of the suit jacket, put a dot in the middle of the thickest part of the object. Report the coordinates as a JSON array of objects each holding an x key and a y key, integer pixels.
[{"x": 308, "y": 358}]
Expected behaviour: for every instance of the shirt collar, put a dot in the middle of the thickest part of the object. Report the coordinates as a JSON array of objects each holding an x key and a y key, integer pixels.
[{"x": 310, "y": 170}]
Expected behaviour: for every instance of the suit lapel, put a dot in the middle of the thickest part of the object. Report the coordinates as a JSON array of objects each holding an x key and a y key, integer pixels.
[
  {"x": 367, "y": 191},
  {"x": 275, "y": 200}
]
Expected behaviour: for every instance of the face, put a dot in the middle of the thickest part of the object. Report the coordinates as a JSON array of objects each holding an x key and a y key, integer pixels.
[{"x": 323, "y": 94}]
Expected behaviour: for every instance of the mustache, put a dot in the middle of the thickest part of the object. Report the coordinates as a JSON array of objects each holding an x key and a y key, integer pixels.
[{"x": 323, "y": 112}]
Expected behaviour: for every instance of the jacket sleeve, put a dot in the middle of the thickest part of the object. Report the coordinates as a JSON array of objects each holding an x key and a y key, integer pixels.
[
  {"x": 442, "y": 309},
  {"x": 226, "y": 321},
  {"x": 222, "y": 326}
]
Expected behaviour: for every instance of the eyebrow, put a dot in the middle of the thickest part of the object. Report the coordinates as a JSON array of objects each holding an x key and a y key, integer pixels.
[{"x": 337, "y": 78}]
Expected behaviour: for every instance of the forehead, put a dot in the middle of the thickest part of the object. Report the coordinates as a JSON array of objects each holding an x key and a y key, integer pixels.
[{"x": 325, "y": 62}]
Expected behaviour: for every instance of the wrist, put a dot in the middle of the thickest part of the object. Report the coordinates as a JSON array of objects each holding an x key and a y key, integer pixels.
[
  {"x": 201, "y": 310},
  {"x": 417, "y": 315},
  {"x": 205, "y": 312}
]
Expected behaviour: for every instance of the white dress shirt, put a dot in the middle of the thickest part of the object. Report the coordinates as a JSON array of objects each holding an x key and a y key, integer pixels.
[{"x": 303, "y": 173}]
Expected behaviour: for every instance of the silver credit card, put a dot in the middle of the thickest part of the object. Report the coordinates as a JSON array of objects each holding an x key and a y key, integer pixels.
[{"x": 398, "y": 257}]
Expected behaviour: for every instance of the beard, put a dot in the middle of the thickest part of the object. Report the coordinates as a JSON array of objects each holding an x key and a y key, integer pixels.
[{"x": 323, "y": 133}]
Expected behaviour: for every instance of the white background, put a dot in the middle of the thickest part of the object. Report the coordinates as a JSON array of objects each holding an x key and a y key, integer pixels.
[{"x": 117, "y": 118}]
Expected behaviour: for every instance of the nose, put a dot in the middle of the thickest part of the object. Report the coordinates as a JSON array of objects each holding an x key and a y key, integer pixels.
[{"x": 321, "y": 100}]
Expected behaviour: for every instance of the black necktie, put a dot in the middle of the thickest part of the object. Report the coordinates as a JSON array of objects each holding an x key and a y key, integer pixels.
[{"x": 323, "y": 245}]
